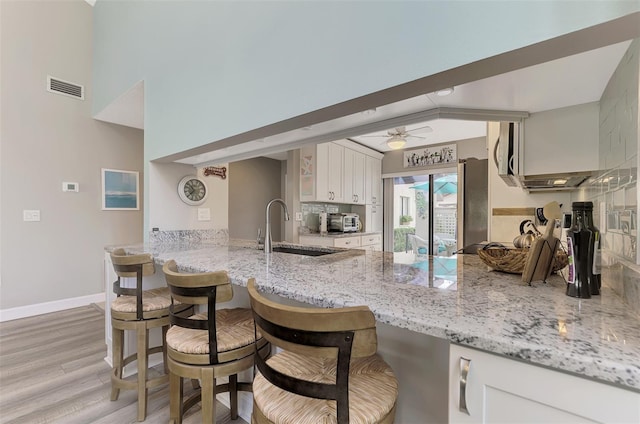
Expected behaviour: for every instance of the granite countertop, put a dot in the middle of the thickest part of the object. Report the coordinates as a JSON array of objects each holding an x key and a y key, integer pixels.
[{"x": 456, "y": 298}]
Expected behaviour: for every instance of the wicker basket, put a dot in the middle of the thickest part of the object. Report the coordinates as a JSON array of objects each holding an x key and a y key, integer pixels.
[{"x": 513, "y": 260}]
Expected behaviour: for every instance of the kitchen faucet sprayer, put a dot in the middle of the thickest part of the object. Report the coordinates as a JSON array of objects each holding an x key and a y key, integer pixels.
[{"x": 267, "y": 236}]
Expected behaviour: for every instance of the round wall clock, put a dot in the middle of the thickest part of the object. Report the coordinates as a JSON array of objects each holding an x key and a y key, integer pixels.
[{"x": 192, "y": 190}]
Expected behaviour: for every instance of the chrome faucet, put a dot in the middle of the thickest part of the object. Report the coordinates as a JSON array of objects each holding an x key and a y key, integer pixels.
[{"x": 267, "y": 234}]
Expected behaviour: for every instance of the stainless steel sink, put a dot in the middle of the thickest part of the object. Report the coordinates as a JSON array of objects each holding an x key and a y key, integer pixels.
[{"x": 303, "y": 251}]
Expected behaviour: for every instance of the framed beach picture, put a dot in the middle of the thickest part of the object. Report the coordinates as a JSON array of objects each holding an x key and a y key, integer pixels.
[{"x": 120, "y": 190}]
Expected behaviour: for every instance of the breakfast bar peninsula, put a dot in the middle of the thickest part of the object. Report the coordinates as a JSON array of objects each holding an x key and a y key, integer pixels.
[{"x": 468, "y": 344}]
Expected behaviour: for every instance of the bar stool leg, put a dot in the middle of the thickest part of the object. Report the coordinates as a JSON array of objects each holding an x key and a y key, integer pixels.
[
  {"x": 165, "y": 328},
  {"x": 117, "y": 349},
  {"x": 142, "y": 359},
  {"x": 208, "y": 398},
  {"x": 175, "y": 398},
  {"x": 233, "y": 395}
]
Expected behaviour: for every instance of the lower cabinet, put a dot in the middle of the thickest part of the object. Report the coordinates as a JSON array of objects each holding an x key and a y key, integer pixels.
[
  {"x": 367, "y": 241},
  {"x": 487, "y": 388},
  {"x": 371, "y": 242}
]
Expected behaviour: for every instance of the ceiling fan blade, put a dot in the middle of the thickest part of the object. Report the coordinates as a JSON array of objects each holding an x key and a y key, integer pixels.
[
  {"x": 373, "y": 135},
  {"x": 416, "y": 136},
  {"x": 422, "y": 130}
]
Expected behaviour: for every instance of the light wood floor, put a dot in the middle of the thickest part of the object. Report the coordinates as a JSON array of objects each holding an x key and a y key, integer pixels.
[{"x": 52, "y": 370}]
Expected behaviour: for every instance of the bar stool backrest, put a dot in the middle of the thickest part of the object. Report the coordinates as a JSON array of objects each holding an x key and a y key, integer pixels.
[
  {"x": 207, "y": 288},
  {"x": 131, "y": 266},
  {"x": 341, "y": 333}
]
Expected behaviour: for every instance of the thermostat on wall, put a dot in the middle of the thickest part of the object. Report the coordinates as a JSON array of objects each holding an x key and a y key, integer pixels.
[{"x": 70, "y": 187}]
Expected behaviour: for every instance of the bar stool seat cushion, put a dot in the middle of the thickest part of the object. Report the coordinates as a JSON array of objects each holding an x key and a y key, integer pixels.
[
  {"x": 152, "y": 300},
  {"x": 373, "y": 390},
  {"x": 235, "y": 330}
]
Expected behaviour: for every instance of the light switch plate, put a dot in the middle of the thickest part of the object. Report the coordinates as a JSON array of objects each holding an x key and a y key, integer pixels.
[
  {"x": 298, "y": 216},
  {"x": 30, "y": 215},
  {"x": 204, "y": 214}
]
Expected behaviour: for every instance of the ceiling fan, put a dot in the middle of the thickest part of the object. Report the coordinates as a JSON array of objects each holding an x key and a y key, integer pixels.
[{"x": 397, "y": 137}]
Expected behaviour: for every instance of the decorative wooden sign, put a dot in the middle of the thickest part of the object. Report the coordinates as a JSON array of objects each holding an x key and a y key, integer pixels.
[
  {"x": 216, "y": 171},
  {"x": 428, "y": 156}
]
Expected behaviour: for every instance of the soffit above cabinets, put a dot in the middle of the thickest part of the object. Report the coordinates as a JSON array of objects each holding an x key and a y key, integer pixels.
[{"x": 568, "y": 81}]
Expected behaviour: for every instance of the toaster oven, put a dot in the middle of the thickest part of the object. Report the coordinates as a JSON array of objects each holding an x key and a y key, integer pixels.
[{"x": 343, "y": 222}]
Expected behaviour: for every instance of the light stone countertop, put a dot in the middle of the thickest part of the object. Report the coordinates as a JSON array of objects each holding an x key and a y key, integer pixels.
[{"x": 456, "y": 298}]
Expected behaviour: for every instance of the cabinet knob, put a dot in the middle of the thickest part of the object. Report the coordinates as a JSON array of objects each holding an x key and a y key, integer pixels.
[{"x": 465, "y": 364}]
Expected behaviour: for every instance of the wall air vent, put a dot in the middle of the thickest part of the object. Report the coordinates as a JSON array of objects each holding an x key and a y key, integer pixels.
[{"x": 66, "y": 88}]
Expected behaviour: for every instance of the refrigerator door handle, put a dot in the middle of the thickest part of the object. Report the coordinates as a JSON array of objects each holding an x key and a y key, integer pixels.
[{"x": 461, "y": 211}]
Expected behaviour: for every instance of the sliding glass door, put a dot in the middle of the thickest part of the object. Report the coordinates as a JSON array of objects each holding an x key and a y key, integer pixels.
[{"x": 425, "y": 214}]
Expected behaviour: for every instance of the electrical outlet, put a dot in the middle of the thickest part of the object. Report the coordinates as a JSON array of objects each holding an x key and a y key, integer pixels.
[
  {"x": 204, "y": 214},
  {"x": 30, "y": 215},
  {"x": 298, "y": 216}
]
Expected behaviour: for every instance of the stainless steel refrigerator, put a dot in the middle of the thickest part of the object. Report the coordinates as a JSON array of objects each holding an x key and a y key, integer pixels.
[{"x": 473, "y": 197}]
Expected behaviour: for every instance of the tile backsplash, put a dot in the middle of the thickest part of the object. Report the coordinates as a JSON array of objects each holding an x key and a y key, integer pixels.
[{"x": 614, "y": 190}]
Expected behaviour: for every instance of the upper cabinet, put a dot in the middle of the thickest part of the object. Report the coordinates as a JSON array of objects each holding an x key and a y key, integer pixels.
[
  {"x": 561, "y": 140},
  {"x": 354, "y": 177},
  {"x": 321, "y": 170},
  {"x": 373, "y": 181},
  {"x": 340, "y": 172}
]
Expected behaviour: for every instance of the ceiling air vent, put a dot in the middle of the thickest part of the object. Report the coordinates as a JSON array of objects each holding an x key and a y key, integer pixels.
[{"x": 66, "y": 88}]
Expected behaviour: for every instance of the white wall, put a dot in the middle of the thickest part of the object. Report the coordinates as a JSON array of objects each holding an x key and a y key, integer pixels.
[
  {"x": 217, "y": 69},
  {"x": 48, "y": 139},
  {"x": 167, "y": 212}
]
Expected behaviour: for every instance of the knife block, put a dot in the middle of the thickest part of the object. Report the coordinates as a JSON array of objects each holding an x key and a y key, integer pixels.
[{"x": 542, "y": 254}]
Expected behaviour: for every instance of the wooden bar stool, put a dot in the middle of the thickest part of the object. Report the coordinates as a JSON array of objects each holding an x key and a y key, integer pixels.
[
  {"x": 137, "y": 310},
  {"x": 208, "y": 345},
  {"x": 328, "y": 370}
]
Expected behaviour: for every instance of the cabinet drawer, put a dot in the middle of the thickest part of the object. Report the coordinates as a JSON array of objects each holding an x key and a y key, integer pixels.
[
  {"x": 371, "y": 247},
  {"x": 371, "y": 239},
  {"x": 347, "y": 242}
]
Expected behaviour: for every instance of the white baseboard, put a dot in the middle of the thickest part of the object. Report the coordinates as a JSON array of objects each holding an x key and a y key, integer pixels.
[{"x": 46, "y": 307}]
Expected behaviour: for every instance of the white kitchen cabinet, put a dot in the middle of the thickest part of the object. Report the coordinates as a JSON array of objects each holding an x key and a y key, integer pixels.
[
  {"x": 373, "y": 181},
  {"x": 561, "y": 140},
  {"x": 347, "y": 242},
  {"x": 335, "y": 170},
  {"x": 340, "y": 172},
  {"x": 363, "y": 241},
  {"x": 344, "y": 242},
  {"x": 354, "y": 177},
  {"x": 321, "y": 173},
  {"x": 503, "y": 390},
  {"x": 373, "y": 218},
  {"x": 371, "y": 242}
]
